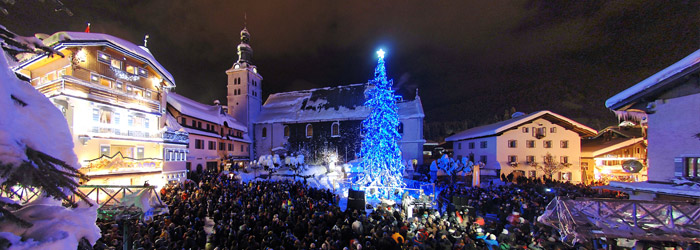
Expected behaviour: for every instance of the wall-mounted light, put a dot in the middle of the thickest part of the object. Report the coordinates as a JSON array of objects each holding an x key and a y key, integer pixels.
[
  {"x": 83, "y": 139},
  {"x": 81, "y": 55}
]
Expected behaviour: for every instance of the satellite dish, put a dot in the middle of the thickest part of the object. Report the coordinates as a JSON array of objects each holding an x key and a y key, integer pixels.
[{"x": 632, "y": 166}]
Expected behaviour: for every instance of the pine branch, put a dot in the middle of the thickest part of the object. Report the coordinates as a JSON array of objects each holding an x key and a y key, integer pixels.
[{"x": 51, "y": 175}]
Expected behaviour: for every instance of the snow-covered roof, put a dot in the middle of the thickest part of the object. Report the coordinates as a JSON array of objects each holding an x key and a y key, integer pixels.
[
  {"x": 210, "y": 113},
  {"x": 655, "y": 82},
  {"x": 503, "y": 126},
  {"x": 326, "y": 104},
  {"x": 596, "y": 147},
  {"x": 662, "y": 188},
  {"x": 71, "y": 39},
  {"x": 215, "y": 135}
]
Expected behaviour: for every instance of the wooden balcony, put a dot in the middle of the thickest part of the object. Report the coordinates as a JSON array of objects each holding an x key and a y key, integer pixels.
[{"x": 72, "y": 86}]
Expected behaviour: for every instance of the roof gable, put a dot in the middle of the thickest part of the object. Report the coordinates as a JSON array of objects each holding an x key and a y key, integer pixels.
[
  {"x": 499, "y": 128},
  {"x": 70, "y": 39}
]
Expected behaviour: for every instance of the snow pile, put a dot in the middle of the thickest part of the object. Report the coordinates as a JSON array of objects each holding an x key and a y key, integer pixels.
[
  {"x": 31, "y": 120},
  {"x": 54, "y": 227}
]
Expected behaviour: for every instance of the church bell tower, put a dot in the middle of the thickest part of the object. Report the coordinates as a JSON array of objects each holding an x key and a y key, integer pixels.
[{"x": 244, "y": 85}]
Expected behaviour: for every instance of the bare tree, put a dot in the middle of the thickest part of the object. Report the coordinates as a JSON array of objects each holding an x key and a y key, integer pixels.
[{"x": 550, "y": 165}]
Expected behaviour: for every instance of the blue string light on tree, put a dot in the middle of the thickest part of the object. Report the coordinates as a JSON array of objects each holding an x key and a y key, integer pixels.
[{"x": 381, "y": 156}]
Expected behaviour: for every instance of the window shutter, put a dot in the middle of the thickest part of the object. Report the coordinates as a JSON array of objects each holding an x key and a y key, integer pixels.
[{"x": 678, "y": 163}]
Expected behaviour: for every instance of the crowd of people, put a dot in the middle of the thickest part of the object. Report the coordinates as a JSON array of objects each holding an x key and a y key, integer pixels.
[{"x": 291, "y": 215}]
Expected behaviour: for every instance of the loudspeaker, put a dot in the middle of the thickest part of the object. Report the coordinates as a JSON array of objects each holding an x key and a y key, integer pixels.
[
  {"x": 356, "y": 194},
  {"x": 356, "y": 199},
  {"x": 459, "y": 201}
]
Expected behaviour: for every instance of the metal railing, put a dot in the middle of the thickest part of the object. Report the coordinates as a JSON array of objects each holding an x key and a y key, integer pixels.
[
  {"x": 584, "y": 219},
  {"x": 20, "y": 194}
]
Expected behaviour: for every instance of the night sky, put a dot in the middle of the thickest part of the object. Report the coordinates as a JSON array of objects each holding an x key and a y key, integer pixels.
[{"x": 470, "y": 60}]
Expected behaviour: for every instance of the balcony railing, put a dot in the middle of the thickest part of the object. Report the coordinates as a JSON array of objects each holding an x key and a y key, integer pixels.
[
  {"x": 176, "y": 137},
  {"x": 73, "y": 86}
]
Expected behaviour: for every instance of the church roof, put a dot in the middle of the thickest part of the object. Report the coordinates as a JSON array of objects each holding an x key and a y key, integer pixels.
[
  {"x": 499, "y": 128},
  {"x": 327, "y": 104}
]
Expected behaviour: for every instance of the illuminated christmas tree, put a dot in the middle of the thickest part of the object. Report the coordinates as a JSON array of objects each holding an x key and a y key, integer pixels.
[{"x": 381, "y": 155}]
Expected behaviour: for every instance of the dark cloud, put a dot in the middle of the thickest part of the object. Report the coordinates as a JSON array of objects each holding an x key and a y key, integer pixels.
[{"x": 470, "y": 59}]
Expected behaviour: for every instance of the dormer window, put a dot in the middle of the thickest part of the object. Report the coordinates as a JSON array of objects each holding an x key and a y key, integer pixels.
[
  {"x": 335, "y": 129},
  {"x": 309, "y": 130}
]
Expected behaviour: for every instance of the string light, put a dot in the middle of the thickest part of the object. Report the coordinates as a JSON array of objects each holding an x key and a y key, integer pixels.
[{"x": 381, "y": 156}]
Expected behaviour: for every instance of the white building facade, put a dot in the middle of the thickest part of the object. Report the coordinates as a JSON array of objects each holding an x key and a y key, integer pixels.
[{"x": 516, "y": 145}]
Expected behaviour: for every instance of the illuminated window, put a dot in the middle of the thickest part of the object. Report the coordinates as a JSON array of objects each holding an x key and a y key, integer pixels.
[
  {"x": 138, "y": 92},
  {"x": 335, "y": 129},
  {"x": 119, "y": 86},
  {"x": 131, "y": 69},
  {"x": 286, "y": 131},
  {"x": 104, "y": 150},
  {"x": 116, "y": 64},
  {"x": 148, "y": 94},
  {"x": 143, "y": 72},
  {"x": 105, "y": 116},
  {"x": 309, "y": 130},
  {"x": 139, "y": 152},
  {"x": 94, "y": 78},
  {"x": 692, "y": 167},
  {"x": 105, "y": 82},
  {"x": 533, "y": 174},
  {"x": 102, "y": 57},
  {"x": 51, "y": 76}
]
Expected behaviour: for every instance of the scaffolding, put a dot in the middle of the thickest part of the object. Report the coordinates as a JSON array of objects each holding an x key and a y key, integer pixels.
[{"x": 585, "y": 219}]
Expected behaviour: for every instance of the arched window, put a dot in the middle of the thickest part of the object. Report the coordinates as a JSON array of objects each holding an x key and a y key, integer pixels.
[
  {"x": 286, "y": 131},
  {"x": 309, "y": 130},
  {"x": 264, "y": 132},
  {"x": 335, "y": 129},
  {"x": 400, "y": 128}
]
